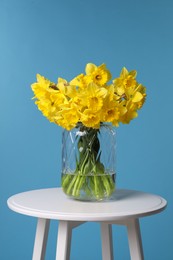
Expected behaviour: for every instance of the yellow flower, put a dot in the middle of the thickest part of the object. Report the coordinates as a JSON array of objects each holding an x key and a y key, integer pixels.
[
  {"x": 43, "y": 94},
  {"x": 66, "y": 88},
  {"x": 134, "y": 100},
  {"x": 48, "y": 96},
  {"x": 90, "y": 119},
  {"x": 125, "y": 81},
  {"x": 113, "y": 112},
  {"x": 92, "y": 97},
  {"x": 89, "y": 99},
  {"x": 67, "y": 116},
  {"x": 79, "y": 81},
  {"x": 136, "y": 95},
  {"x": 99, "y": 75},
  {"x": 41, "y": 87},
  {"x": 129, "y": 115},
  {"x": 129, "y": 93},
  {"x": 140, "y": 96}
]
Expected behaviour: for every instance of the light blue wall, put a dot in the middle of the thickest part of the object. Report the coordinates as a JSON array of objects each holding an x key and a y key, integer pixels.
[{"x": 57, "y": 38}]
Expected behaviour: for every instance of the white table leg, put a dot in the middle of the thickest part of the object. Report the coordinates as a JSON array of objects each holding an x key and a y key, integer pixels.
[
  {"x": 41, "y": 239},
  {"x": 135, "y": 241},
  {"x": 107, "y": 245},
  {"x": 64, "y": 240}
]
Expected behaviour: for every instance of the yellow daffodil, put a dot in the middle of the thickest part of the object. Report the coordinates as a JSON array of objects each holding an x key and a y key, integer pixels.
[
  {"x": 79, "y": 81},
  {"x": 67, "y": 116},
  {"x": 92, "y": 97},
  {"x": 99, "y": 75},
  {"x": 90, "y": 119},
  {"x": 45, "y": 97},
  {"x": 125, "y": 81},
  {"x": 128, "y": 116},
  {"x": 89, "y": 99},
  {"x": 41, "y": 87},
  {"x": 66, "y": 88}
]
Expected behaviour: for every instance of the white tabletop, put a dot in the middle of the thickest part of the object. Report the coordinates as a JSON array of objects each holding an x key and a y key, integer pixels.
[{"x": 54, "y": 204}]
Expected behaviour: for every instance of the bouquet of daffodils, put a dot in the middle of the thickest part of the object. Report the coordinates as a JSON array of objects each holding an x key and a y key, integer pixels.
[{"x": 89, "y": 100}]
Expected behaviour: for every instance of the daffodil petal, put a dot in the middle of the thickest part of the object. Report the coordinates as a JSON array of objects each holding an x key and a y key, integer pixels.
[
  {"x": 137, "y": 97},
  {"x": 90, "y": 67}
]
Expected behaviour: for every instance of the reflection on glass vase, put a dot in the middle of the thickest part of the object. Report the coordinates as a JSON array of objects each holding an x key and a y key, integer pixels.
[{"x": 88, "y": 162}]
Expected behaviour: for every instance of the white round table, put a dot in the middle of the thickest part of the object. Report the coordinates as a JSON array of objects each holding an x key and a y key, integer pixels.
[{"x": 124, "y": 208}]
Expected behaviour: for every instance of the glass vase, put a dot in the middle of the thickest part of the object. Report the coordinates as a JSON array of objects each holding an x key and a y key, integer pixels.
[{"x": 88, "y": 162}]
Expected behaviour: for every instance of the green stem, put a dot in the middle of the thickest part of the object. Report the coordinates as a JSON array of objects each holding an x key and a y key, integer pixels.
[{"x": 70, "y": 187}]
